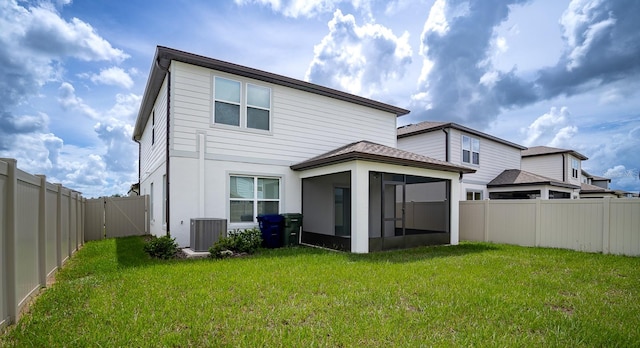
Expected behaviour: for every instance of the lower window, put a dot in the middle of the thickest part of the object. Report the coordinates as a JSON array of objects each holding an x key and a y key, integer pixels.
[{"x": 250, "y": 196}]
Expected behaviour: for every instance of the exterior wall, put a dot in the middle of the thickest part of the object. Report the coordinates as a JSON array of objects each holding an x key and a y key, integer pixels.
[
  {"x": 548, "y": 165},
  {"x": 200, "y": 189},
  {"x": 595, "y": 225},
  {"x": 430, "y": 144},
  {"x": 303, "y": 124},
  {"x": 153, "y": 162},
  {"x": 495, "y": 157}
]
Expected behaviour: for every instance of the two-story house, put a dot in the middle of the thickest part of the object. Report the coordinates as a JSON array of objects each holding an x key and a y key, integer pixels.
[
  {"x": 593, "y": 186},
  {"x": 488, "y": 155},
  {"x": 563, "y": 166},
  {"x": 220, "y": 140}
]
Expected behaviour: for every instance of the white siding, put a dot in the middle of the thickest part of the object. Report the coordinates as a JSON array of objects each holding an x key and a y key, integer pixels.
[
  {"x": 303, "y": 124},
  {"x": 432, "y": 144},
  {"x": 546, "y": 165},
  {"x": 495, "y": 158},
  {"x": 153, "y": 155},
  {"x": 153, "y": 159}
]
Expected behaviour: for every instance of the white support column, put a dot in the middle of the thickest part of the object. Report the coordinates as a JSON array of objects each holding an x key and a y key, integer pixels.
[
  {"x": 454, "y": 214},
  {"x": 359, "y": 209}
]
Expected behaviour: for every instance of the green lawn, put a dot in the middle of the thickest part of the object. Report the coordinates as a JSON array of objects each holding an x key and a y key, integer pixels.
[{"x": 111, "y": 294}]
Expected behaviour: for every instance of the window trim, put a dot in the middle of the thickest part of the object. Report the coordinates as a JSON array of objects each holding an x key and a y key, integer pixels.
[
  {"x": 474, "y": 192},
  {"x": 575, "y": 170},
  {"x": 255, "y": 199},
  {"x": 243, "y": 105},
  {"x": 470, "y": 149}
]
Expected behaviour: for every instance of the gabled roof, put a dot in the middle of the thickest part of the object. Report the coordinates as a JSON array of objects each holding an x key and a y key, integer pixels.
[
  {"x": 428, "y": 126},
  {"x": 546, "y": 150},
  {"x": 517, "y": 177},
  {"x": 368, "y": 151},
  {"x": 164, "y": 56},
  {"x": 588, "y": 188}
]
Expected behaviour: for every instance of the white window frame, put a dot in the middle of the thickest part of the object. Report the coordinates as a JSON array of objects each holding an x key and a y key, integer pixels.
[
  {"x": 473, "y": 197},
  {"x": 255, "y": 198},
  {"x": 470, "y": 150},
  {"x": 243, "y": 106},
  {"x": 575, "y": 167}
]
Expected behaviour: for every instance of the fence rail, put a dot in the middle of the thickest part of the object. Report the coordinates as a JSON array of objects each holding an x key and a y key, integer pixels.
[
  {"x": 40, "y": 228},
  {"x": 610, "y": 226}
]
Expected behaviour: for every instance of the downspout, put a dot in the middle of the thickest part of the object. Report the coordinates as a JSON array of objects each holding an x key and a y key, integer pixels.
[
  {"x": 446, "y": 144},
  {"x": 167, "y": 191},
  {"x": 564, "y": 168}
]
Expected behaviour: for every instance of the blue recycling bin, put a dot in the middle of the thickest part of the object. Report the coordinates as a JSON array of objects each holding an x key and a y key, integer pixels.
[{"x": 271, "y": 227}]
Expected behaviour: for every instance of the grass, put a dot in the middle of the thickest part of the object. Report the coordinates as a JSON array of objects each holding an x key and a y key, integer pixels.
[{"x": 474, "y": 294}]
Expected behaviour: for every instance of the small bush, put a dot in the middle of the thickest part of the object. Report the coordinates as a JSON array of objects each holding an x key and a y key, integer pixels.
[
  {"x": 246, "y": 241},
  {"x": 163, "y": 247}
]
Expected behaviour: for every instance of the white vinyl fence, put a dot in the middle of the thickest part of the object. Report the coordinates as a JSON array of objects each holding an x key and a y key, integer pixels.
[
  {"x": 41, "y": 226},
  {"x": 610, "y": 226}
]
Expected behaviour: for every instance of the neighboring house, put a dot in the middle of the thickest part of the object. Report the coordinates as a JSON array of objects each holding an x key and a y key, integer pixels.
[
  {"x": 594, "y": 180},
  {"x": 558, "y": 164},
  {"x": 220, "y": 140},
  {"x": 460, "y": 145},
  {"x": 593, "y": 186}
]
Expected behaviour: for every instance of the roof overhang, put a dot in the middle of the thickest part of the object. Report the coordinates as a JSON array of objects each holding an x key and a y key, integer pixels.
[{"x": 164, "y": 56}]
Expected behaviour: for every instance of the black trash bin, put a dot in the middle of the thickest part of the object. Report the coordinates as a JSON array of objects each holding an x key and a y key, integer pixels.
[
  {"x": 292, "y": 224},
  {"x": 271, "y": 227}
]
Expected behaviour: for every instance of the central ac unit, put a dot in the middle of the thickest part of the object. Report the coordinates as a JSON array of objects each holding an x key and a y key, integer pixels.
[{"x": 205, "y": 232}]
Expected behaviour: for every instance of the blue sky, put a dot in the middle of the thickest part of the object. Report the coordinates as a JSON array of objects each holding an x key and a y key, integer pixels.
[{"x": 539, "y": 72}]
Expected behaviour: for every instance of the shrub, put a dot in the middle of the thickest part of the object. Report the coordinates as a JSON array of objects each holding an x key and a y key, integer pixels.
[
  {"x": 163, "y": 247},
  {"x": 246, "y": 241}
]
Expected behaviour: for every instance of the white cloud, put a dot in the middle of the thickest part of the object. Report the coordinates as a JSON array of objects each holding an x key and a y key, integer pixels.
[
  {"x": 359, "y": 59},
  {"x": 114, "y": 76},
  {"x": 307, "y": 8},
  {"x": 69, "y": 101},
  {"x": 552, "y": 128}
]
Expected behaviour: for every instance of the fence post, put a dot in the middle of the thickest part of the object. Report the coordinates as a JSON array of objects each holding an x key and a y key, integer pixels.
[
  {"x": 10, "y": 239},
  {"x": 70, "y": 249},
  {"x": 485, "y": 211},
  {"x": 606, "y": 222},
  {"x": 42, "y": 228},
  {"x": 538, "y": 221},
  {"x": 59, "y": 226}
]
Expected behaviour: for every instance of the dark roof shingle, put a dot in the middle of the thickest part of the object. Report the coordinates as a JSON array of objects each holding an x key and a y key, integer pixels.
[
  {"x": 366, "y": 150},
  {"x": 517, "y": 177},
  {"x": 428, "y": 126},
  {"x": 547, "y": 150}
]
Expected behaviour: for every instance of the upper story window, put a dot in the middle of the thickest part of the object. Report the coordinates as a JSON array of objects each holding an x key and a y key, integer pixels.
[
  {"x": 251, "y": 110},
  {"x": 575, "y": 167},
  {"x": 470, "y": 150}
]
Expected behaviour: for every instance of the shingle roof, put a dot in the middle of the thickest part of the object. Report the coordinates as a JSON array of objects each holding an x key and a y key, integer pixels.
[
  {"x": 368, "y": 151},
  {"x": 428, "y": 126},
  {"x": 517, "y": 177},
  {"x": 587, "y": 188},
  {"x": 547, "y": 150},
  {"x": 165, "y": 55}
]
